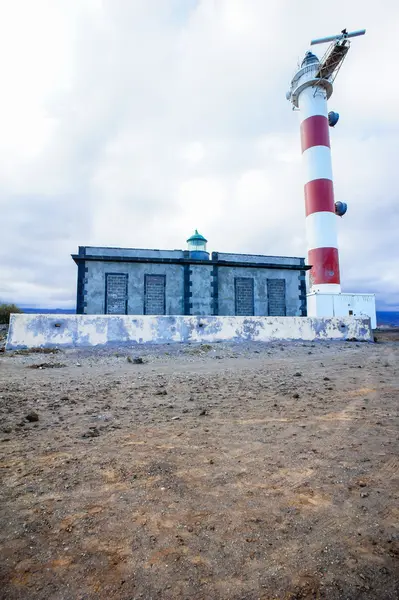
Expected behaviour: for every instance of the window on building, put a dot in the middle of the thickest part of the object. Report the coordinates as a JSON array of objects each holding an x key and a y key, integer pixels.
[
  {"x": 244, "y": 296},
  {"x": 276, "y": 297},
  {"x": 116, "y": 293},
  {"x": 154, "y": 295}
]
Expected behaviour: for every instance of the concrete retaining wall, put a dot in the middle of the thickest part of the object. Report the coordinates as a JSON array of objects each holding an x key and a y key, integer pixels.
[{"x": 63, "y": 331}]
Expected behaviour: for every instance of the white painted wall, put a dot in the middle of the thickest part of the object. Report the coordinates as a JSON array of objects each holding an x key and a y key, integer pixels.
[
  {"x": 342, "y": 305},
  {"x": 63, "y": 331}
]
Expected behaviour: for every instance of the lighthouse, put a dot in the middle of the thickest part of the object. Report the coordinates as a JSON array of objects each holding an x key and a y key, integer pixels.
[
  {"x": 309, "y": 93},
  {"x": 311, "y": 87}
]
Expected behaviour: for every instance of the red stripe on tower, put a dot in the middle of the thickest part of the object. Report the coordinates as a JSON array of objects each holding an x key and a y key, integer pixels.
[
  {"x": 314, "y": 132},
  {"x": 325, "y": 265},
  {"x": 319, "y": 196}
]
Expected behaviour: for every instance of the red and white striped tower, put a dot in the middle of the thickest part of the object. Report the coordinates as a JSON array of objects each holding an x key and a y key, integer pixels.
[
  {"x": 309, "y": 93},
  {"x": 311, "y": 87}
]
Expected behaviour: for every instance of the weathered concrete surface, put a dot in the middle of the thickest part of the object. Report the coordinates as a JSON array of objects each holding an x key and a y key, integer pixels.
[
  {"x": 29, "y": 331},
  {"x": 95, "y": 285}
]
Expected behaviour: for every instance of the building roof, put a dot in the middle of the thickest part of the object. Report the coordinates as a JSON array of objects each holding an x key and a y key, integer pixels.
[
  {"x": 182, "y": 257},
  {"x": 197, "y": 237}
]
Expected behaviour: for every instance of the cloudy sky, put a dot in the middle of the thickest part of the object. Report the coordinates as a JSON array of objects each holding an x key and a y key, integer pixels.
[{"x": 132, "y": 122}]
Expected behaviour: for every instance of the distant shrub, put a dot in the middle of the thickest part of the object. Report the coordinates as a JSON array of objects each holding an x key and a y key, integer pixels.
[{"x": 6, "y": 310}]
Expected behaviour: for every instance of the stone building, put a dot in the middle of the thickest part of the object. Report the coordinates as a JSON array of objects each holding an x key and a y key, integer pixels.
[{"x": 188, "y": 282}]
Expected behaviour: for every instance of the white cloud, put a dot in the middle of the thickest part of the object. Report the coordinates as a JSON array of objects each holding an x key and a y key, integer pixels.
[{"x": 131, "y": 123}]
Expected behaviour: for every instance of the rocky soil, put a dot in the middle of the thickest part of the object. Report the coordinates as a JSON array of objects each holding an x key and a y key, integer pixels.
[{"x": 201, "y": 472}]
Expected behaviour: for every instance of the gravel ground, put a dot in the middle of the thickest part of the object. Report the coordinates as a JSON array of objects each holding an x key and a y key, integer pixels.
[{"x": 201, "y": 472}]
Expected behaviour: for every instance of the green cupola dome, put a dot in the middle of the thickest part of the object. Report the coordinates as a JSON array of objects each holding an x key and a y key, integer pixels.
[
  {"x": 197, "y": 237},
  {"x": 197, "y": 246}
]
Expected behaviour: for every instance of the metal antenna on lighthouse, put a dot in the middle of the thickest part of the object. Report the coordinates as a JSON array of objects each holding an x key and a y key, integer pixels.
[
  {"x": 336, "y": 52},
  {"x": 344, "y": 35}
]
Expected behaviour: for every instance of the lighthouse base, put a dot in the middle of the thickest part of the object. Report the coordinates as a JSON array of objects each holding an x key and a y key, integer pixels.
[{"x": 342, "y": 305}]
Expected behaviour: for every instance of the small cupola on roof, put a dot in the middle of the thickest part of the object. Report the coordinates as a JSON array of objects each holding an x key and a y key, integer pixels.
[{"x": 197, "y": 246}]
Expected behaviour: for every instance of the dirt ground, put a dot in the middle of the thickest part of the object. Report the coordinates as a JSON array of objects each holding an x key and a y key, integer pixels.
[{"x": 249, "y": 471}]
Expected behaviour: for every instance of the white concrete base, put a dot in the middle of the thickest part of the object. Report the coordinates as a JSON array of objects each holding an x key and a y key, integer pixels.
[
  {"x": 342, "y": 305},
  {"x": 68, "y": 331}
]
